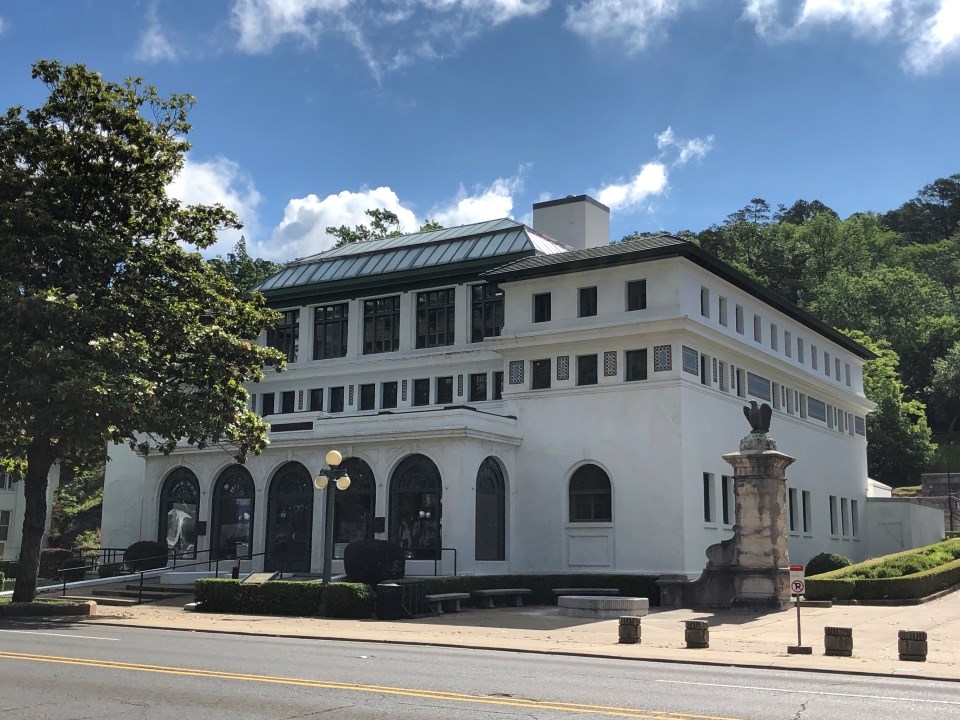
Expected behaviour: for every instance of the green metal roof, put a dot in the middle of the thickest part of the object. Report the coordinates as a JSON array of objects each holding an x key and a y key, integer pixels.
[{"x": 418, "y": 251}]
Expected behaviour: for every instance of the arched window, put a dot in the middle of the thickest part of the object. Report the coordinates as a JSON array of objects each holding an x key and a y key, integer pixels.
[
  {"x": 179, "y": 511},
  {"x": 590, "y": 495},
  {"x": 290, "y": 519},
  {"x": 415, "y": 507},
  {"x": 491, "y": 515},
  {"x": 233, "y": 500},
  {"x": 354, "y": 507}
]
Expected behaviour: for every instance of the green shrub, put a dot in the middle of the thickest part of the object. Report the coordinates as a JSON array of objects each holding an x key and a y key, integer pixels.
[
  {"x": 51, "y": 559},
  {"x": 825, "y": 562},
  {"x": 146, "y": 555},
  {"x": 109, "y": 570},
  {"x": 373, "y": 561},
  {"x": 72, "y": 569},
  {"x": 542, "y": 585},
  {"x": 3, "y": 579},
  {"x": 277, "y": 597},
  {"x": 10, "y": 568},
  {"x": 349, "y": 600}
]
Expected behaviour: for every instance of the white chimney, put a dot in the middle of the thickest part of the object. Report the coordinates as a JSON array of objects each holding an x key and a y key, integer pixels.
[{"x": 578, "y": 221}]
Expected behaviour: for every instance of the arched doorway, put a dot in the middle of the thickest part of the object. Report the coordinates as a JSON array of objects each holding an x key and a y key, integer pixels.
[
  {"x": 290, "y": 520},
  {"x": 415, "y": 507},
  {"x": 179, "y": 511},
  {"x": 233, "y": 505},
  {"x": 354, "y": 507},
  {"x": 491, "y": 512}
]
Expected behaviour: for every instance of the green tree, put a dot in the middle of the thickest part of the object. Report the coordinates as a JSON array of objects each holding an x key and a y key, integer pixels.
[
  {"x": 945, "y": 385},
  {"x": 383, "y": 224},
  {"x": 243, "y": 271},
  {"x": 934, "y": 214},
  {"x": 112, "y": 331},
  {"x": 898, "y": 437}
]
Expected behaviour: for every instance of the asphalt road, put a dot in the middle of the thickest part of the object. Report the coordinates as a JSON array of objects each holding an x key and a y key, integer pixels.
[{"x": 63, "y": 670}]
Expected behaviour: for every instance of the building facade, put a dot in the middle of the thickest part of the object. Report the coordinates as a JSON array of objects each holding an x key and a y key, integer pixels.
[
  {"x": 516, "y": 399},
  {"x": 12, "y": 502}
]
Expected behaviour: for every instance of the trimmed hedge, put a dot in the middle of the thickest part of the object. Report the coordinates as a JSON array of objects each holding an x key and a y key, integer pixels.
[
  {"x": 542, "y": 585},
  {"x": 349, "y": 600},
  {"x": 10, "y": 568},
  {"x": 146, "y": 555},
  {"x": 277, "y": 597},
  {"x": 73, "y": 569},
  {"x": 908, "y": 575},
  {"x": 51, "y": 560},
  {"x": 824, "y": 563}
]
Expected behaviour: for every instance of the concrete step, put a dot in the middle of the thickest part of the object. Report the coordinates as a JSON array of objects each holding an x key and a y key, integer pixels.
[
  {"x": 135, "y": 594},
  {"x": 101, "y": 600},
  {"x": 170, "y": 590}
]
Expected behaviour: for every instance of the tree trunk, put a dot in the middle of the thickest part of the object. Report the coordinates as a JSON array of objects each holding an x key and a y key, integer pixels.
[{"x": 39, "y": 462}]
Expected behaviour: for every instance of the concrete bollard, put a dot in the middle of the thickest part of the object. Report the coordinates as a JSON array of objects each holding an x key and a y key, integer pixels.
[
  {"x": 838, "y": 641},
  {"x": 697, "y": 633},
  {"x": 630, "y": 629},
  {"x": 912, "y": 645}
]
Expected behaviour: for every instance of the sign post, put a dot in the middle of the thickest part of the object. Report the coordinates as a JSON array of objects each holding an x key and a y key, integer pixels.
[{"x": 798, "y": 586}]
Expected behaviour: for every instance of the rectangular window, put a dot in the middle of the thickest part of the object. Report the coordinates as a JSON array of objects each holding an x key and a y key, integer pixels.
[
  {"x": 498, "y": 386},
  {"x": 831, "y": 416},
  {"x": 846, "y": 373},
  {"x": 4, "y": 525},
  {"x": 636, "y": 362},
  {"x": 637, "y": 295},
  {"x": 388, "y": 395},
  {"x": 774, "y": 337},
  {"x": 330, "y": 323},
  {"x": 792, "y": 509},
  {"x": 268, "y": 405},
  {"x": 814, "y": 360},
  {"x": 844, "y": 517},
  {"x": 445, "y": 390},
  {"x": 285, "y": 335},
  {"x": 421, "y": 392},
  {"x": 854, "y": 520},
  {"x": 478, "y": 387},
  {"x": 859, "y": 425},
  {"x": 817, "y": 409},
  {"x": 587, "y": 302},
  {"x": 722, "y": 376},
  {"x": 709, "y": 501},
  {"x": 288, "y": 400},
  {"x": 726, "y": 494},
  {"x": 738, "y": 311},
  {"x": 758, "y": 386},
  {"x": 826, "y": 363},
  {"x": 757, "y": 329},
  {"x": 691, "y": 360},
  {"x": 316, "y": 399},
  {"x": 541, "y": 308},
  {"x": 6, "y": 481},
  {"x": 540, "y": 376},
  {"x": 586, "y": 370},
  {"x": 800, "y": 358},
  {"x": 776, "y": 397},
  {"x": 381, "y": 325},
  {"x": 705, "y": 302},
  {"x": 787, "y": 343},
  {"x": 791, "y": 403},
  {"x": 836, "y": 369},
  {"x": 368, "y": 396},
  {"x": 722, "y": 311},
  {"x": 807, "y": 510},
  {"x": 741, "y": 384},
  {"x": 486, "y": 309},
  {"x": 435, "y": 318},
  {"x": 336, "y": 399},
  {"x": 704, "y": 370},
  {"x": 833, "y": 514},
  {"x": 802, "y": 404}
]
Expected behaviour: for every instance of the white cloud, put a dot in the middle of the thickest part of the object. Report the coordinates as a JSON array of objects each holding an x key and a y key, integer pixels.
[
  {"x": 487, "y": 203},
  {"x": 261, "y": 24},
  {"x": 302, "y": 231},
  {"x": 3, "y": 25},
  {"x": 632, "y": 21},
  {"x": 154, "y": 45},
  {"x": 629, "y": 194},
  {"x": 219, "y": 181},
  {"x": 929, "y": 30},
  {"x": 686, "y": 150}
]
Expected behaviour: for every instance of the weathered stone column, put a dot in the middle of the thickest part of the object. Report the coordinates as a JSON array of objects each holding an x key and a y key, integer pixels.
[{"x": 760, "y": 559}]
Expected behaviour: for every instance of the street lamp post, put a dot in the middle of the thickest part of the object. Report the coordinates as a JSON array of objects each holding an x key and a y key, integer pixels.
[{"x": 340, "y": 478}]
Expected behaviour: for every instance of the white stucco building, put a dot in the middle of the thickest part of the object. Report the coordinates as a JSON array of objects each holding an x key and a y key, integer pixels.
[
  {"x": 519, "y": 399},
  {"x": 12, "y": 504}
]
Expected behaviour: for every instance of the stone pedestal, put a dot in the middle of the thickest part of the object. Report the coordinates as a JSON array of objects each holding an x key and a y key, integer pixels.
[{"x": 751, "y": 569}]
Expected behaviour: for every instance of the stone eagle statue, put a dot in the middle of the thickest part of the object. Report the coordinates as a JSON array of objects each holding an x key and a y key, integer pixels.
[{"x": 758, "y": 417}]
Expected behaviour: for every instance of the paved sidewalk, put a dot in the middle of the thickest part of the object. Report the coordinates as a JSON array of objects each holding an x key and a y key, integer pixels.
[{"x": 743, "y": 639}]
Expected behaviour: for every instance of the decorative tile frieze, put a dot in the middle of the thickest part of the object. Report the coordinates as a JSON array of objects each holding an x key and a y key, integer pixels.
[
  {"x": 662, "y": 358},
  {"x": 350, "y": 401},
  {"x": 403, "y": 390},
  {"x": 563, "y": 367},
  {"x": 610, "y": 363},
  {"x": 300, "y": 400},
  {"x": 516, "y": 372},
  {"x": 691, "y": 360},
  {"x": 459, "y": 385}
]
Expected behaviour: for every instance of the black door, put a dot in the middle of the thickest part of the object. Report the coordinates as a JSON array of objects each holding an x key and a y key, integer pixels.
[{"x": 290, "y": 520}]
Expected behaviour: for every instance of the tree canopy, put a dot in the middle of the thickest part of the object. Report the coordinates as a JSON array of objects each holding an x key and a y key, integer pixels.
[
  {"x": 113, "y": 331},
  {"x": 383, "y": 224}
]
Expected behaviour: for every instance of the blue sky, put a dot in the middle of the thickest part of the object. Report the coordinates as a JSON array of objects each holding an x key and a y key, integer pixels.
[{"x": 673, "y": 112}]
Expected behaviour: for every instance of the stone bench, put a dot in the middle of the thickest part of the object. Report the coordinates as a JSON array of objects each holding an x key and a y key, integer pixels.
[
  {"x": 585, "y": 591},
  {"x": 513, "y": 596},
  {"x": 599, "y": 607},
  {"x": 445, "y": 602}
]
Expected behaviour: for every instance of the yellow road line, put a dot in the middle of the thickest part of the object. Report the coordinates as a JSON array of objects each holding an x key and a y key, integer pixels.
[{"x": 611, "y": 711}]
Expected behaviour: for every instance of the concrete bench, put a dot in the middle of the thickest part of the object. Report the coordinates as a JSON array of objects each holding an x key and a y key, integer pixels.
[
  {"x": 446, "y": 602},
  {"x": 602, "y": 608},
  {"x": 513, "y": 596},
  {"x": 585, "y": 591}
]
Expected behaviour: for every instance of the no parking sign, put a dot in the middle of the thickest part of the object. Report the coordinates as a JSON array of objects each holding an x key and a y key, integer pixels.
[{"x": 798, "y": 585}]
